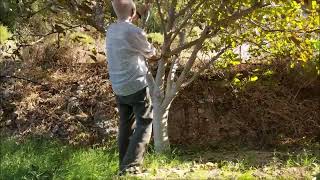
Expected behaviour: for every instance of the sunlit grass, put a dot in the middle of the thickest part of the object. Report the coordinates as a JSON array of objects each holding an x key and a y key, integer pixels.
[{"x": 39, "y": 158}]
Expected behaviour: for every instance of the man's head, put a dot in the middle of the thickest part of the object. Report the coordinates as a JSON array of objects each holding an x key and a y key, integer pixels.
[{"x": 124, "y": 9}]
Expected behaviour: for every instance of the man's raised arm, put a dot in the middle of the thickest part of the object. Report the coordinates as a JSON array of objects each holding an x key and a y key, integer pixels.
[{"x": 138, "y": 41}]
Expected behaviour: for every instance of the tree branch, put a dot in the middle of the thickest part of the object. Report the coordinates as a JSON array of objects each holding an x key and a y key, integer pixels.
[
  {"x": 186, "y": 20},
  {"x": 171, "y": 17},
  {"x": 238, "y": 15},
  {"x": 57, "y": 31},
  {"x": 186, "y": 8},
  {"x": 20, "y": 78},
  {"x": 193, "y": 56},
  {"x": 222, "y": 23},
  {"x": 212, "y": 60},
  {"x": 183, "y": 47},
  {"x": 267, "y": 29},
  {"x": 161, "y": 17}
]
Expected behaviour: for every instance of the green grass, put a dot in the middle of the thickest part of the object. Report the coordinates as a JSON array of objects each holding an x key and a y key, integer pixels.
[
  {"x": 39, "y": 158},
  {"x": 48, "y": 159}
]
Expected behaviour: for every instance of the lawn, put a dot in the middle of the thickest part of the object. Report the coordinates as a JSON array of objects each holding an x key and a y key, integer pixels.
[{"x": 40, "y": 158}]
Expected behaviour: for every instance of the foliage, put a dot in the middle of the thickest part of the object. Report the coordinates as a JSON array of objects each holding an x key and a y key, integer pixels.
[
  {"x": 4, "y": 34},
  {"x": 156, "y": 38},
  {"x": 153, "y": 24},
  {"x": 283, "y": 31},
  {"x": 81, "y": 37},
  {"x": 8, "y": 12}
]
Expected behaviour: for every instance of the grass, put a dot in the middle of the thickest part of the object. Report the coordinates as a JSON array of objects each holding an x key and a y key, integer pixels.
[
  {"x": 39, "y": 158},
  {"x": 48, "y": 159}
]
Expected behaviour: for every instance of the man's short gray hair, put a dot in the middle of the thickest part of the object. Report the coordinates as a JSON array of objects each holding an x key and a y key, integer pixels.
[{"x": 124, "y": 8}]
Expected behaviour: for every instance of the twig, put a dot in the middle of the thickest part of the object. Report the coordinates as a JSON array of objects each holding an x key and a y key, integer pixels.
[
  {"x": 21, "y": 78},
  {"x": 267, "y": 29},
  {"x": 307, "y": 83},
  {"x": 161, "y": 17},
  {"x": 212, "y": 60}
]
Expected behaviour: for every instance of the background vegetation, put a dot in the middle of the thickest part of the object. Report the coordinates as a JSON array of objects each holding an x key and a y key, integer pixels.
[{"x": 253, "y": 114}]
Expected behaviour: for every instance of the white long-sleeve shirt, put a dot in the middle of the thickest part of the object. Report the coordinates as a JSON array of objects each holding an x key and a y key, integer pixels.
[{"x": 127, "y": 48}]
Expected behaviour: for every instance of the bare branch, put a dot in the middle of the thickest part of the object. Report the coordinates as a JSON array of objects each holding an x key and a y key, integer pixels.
[
  {"x": 212, "y": 60},
  {"x": 193, "y": 56},
  {"x": 186, "y": 8},
  {"x": 267, "y": 29},
  {"x": 222, "y": 23},
  {"x": 161, "y": 17},
  {"x": 57, "y": 31},
  {"x": 92, "y": 14},
  {"x": 198, "y": 43},
  {"x": 171, "y": 16},
  {"x": 183, "y": 47},
  {"x": 20, "y": 78},
  {"x": 98, "y": 15},
  {"x": 28, "y": 16},
  {"x": 186, "y": 20},
  {"x": 238, "y": 15}
]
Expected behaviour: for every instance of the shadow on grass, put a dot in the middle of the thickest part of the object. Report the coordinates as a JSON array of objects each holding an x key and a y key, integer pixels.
[{"x": 240, "y": 163}]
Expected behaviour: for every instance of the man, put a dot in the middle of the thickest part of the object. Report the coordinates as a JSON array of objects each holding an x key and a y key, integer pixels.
[{"x": 127, "y": 49}]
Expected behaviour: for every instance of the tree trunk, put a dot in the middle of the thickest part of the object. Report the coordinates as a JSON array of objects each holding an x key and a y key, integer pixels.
[{"x": 160, "y": 127}]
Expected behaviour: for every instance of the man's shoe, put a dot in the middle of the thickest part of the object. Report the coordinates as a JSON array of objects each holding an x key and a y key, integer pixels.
[{"x": 133, "y": 170}]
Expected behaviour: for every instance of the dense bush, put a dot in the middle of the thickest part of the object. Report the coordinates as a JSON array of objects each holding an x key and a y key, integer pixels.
[
  {"x": 4, "y": 34},
  {"x": 8, "y": 12}
]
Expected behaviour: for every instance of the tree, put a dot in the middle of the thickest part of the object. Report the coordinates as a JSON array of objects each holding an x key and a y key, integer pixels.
[
  {"x": 215, "y": 19},
  {"x": 218, "y": 19}
]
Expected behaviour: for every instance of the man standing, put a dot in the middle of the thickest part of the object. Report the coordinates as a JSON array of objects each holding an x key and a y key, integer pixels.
[{"x": 127, "y": 49}]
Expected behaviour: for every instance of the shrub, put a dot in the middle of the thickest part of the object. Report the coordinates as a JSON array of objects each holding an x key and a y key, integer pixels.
[
  {"x": 156, "y": 38},
  {"x": 4, "y": 34}
]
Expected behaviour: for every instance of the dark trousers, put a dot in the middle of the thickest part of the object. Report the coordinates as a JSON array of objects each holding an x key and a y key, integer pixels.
[{"x": 135, "y": 127}]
